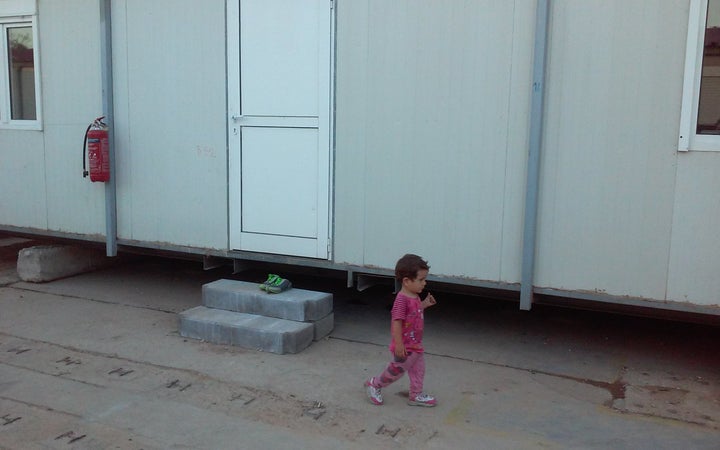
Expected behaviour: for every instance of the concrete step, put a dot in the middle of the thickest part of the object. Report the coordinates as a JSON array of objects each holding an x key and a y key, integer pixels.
[
  {"x": 246, "y": 330},
  {"x": 294, "y": 304}
]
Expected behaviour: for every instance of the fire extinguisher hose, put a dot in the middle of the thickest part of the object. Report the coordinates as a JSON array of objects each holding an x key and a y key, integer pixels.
[{"x": 85, "y": 171}]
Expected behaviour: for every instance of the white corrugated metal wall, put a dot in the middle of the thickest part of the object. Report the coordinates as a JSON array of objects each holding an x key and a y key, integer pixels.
[
  {"x": 622, "y": 212},
  {"x": 610, "y": 149},
  {"x": 41, "y": 182},
  {"x": 432, "y": 103},
  {"x": 170, "y": 103},
  {"x": 432, "y": 115}
]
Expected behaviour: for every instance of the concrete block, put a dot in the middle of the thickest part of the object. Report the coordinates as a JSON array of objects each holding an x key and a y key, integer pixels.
[
  {"x": 50, "y": 262},
  {"x": 246, "y": 330},
  {"x": 323, "y": 327},
  {"x": 294, "y": 304}
]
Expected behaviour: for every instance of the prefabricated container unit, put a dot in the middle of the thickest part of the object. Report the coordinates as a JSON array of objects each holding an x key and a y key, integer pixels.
[{"x": 560, "y": 146}]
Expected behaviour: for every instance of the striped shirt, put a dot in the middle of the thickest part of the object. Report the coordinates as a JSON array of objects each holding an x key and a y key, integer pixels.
[{"x": 410, "y": 311}]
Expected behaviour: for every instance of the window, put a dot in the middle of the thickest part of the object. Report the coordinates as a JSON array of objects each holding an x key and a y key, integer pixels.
[
  {"x": 19, "y": 74},
  {"x": 700, "y": 116}
]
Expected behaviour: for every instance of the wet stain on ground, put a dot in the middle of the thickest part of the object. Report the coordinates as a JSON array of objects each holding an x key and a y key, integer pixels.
[{"x": 616, "y": 388}]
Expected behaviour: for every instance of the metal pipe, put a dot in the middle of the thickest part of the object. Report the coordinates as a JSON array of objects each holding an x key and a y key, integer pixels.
[
  {"x": 108, "y": 110},
  {"x": 542, "y": 19}
]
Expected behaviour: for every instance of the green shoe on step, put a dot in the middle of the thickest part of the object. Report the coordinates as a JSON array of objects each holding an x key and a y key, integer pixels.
[
  {"x": 278, "y": 285},
  {"x": 270, "y": 280}
]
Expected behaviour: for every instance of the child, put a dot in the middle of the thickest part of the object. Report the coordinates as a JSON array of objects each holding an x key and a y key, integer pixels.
[{"x": 407, "y": 331}]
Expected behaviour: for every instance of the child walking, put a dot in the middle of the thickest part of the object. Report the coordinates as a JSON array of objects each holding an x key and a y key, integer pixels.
[{"x": 406, "y": 330}]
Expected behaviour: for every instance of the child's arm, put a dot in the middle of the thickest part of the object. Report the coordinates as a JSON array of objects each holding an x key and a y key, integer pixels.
[
  {"x": 396, "y": 331},
  {"x": 429, "y": 301}
]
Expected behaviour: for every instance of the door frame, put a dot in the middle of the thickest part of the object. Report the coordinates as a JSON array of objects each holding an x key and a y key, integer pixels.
[{"x": 326, "y": 176}]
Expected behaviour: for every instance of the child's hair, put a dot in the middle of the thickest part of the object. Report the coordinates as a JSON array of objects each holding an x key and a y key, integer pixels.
[{"x": 408, "y": 267}]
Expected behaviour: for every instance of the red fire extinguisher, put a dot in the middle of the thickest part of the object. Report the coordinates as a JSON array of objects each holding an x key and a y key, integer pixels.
[{"x": 98, "y": 151}]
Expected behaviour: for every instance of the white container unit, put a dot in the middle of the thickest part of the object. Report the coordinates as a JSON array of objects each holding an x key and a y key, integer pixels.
[{"x": 345, "y": 133}]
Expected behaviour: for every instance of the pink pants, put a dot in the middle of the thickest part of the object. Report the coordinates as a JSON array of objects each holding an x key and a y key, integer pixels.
[{"x": 413, "y": 364}]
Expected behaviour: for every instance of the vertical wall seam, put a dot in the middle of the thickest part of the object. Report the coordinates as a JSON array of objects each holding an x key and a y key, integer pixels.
[
  {"x": 366, "y": 75},
  {"x": 43, "y": 121},
  {"x": 668, "y": 261},
  {"x": 507, "y": 142},
  {"x": 227, "y": 129}
]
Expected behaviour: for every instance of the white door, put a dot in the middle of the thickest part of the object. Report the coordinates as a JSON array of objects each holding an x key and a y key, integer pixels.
[{"x": 279, "y": 100}]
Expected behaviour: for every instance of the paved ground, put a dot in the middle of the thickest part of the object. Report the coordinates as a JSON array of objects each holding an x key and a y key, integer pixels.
[{"x": 95, "y": 361}]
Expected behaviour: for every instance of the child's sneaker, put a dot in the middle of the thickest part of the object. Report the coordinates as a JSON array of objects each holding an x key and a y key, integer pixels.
[
  {"x": 267, "y": 283},
  {"x": 278, "y": 285},
  {"x": 373, "y": 393},
  {"x": 422, "y": 399}
]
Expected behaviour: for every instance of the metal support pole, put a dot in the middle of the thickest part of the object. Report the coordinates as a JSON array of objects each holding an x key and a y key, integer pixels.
[
  {"x": 535, "y": 145},
  {"x": 108, "y": 109}
]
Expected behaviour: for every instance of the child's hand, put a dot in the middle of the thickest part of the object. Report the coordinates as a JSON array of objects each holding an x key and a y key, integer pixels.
[
  {"x": 400, "y": 351},
  {"x": 429, "y": 301}
]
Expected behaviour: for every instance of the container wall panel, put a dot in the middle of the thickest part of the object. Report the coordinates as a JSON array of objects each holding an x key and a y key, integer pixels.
[
  {"x": 351, "y": 119},
  {"x": 23, "y": 201},
  {"x": 41, "y": 182},
  {"x": 431, "y": 133},
  {"x": 171, "y": 121},
  {"x": 610, "y": 149},
  {"x": 695, "y": 249},
  {"x": 72, "y": 98}
]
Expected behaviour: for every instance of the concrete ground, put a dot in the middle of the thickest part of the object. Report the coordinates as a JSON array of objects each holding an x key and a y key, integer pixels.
[{"x": 94, "y": 361}]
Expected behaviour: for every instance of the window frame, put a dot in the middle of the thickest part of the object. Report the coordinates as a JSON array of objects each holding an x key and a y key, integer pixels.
[
  {"x": 6, "y": 120},
  {"x": 688, "y": 139}
]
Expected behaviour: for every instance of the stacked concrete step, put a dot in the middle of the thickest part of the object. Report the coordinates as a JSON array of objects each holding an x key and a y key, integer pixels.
[{"x": 239, "y": 313}]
